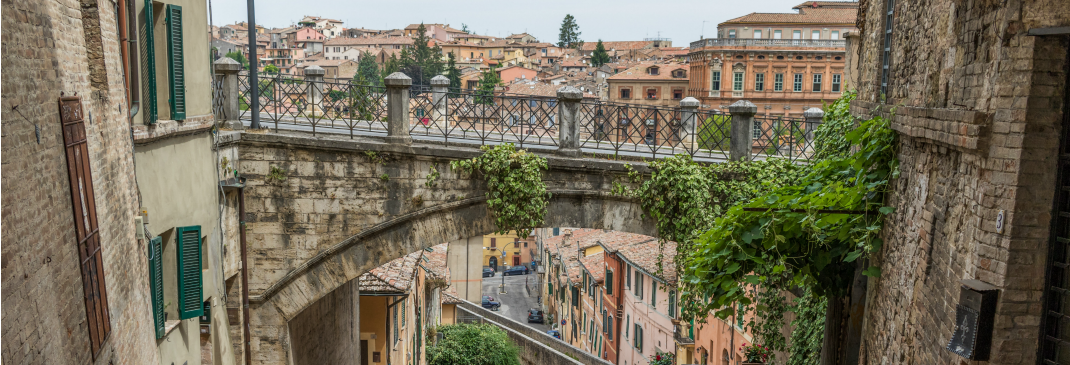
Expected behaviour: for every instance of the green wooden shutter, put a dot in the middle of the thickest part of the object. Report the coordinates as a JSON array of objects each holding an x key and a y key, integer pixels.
[
  {"x": 188, "y": 251},
  {"x": 148, "y": 44},
  {"x": 156, "y": 283},
  {"x": 609, "y": 282},
  {"x": 653, "y": 294},
  {"x": 176, "y": 69}
]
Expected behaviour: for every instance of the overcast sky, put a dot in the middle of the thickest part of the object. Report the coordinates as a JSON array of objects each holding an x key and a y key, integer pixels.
[{"x": 619, "y": 20}]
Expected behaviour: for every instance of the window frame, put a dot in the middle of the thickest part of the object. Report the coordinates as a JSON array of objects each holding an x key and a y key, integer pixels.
[
  {"x": 796, "y": 35},
  {"x": 778, "y": 34},
  {"x": 623, "y": 91},
  {"x": 778, "y": 81},
  {"x": 759, "y": 81},
  {"x": 797, "y": 81},
  {"x": 816, "y": 80},
  {"x": 836, "y": 80},
  {"x": 757, "y": 34},
  {"x": 737, "y": 81},
  {"x": 814, "y": 35},
  {"x": 715, "y": 80}
]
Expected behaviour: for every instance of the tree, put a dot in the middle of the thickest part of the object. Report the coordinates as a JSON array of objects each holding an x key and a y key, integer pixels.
[
  {"x": 271, "y": 69},
  {"x": 367, "y": 70},
  {"x": 570, "y": 33},
  {"x": 599, "y": 57},
  {"x": 453, "y": 73},
  {"x": 487, "y": 82},
  {"x": 464, "y": 28},
  {"x": 392, "y": 65},
  {"x": 424, "y": 62},
  {"x": 238, "y": 56},
  {"x": 473, "y": 344}
]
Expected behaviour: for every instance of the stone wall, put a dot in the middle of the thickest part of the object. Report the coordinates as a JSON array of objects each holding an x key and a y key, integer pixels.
[
  {"x": 980, "y": 103},
  {"x": 326, "y": 331},
  {"x": 536, "y": 347},
  {"x": 44, "y": 316}
]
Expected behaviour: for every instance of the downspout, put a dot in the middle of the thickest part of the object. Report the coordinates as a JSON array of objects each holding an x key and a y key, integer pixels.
[
  {"x": 124, "y": 44},
  {"x": 244, "y": 276}
]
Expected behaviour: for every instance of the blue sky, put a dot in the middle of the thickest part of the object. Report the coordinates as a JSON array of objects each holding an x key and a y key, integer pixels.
[{"x": 620, "y": 20}]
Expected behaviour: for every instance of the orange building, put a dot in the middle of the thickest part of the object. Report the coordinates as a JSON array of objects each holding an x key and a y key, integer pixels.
[{"x": 784, "y": 63}]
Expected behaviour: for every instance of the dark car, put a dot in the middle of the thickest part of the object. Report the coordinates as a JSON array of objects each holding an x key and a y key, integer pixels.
[
  {"x": 556, "y": 334},
  {"x": 515, "y": 270},
  {"x": 489, "y": 303},
  {"x": 535, "y": 316},
  {"x": 488, "y": 273}
]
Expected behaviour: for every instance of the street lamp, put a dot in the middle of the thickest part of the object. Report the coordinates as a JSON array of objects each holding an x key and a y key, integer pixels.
[{"x": 501, "y": 289}]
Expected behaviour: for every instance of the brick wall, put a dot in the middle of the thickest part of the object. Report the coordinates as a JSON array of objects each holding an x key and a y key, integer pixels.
[
  {"x": 44, "y": 316},
  {"x": 979, "y": 121}
]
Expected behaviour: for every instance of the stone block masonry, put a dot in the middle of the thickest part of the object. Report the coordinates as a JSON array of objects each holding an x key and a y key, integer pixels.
[
  {"x": 45, "y": 54},
  {"x": 979, "y": 108}
]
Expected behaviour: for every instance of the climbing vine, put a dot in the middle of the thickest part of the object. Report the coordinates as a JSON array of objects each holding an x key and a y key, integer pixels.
[
  {"x": 809, "y": 330},
  {"x": 516, "y": 194},
  {"x": 766, "y": 325},
  {"x": 811, "y": 232}
]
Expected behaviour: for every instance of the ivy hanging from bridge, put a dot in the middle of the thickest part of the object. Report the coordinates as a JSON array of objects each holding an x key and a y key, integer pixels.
[{"x": 516, "y": 194}]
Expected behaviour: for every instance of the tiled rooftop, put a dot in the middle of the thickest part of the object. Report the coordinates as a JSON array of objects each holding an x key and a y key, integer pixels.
[
  {"x": 595, "y": 265},
  {"x": 645, "y": 255},
  {"x": 435, "y": 262},
  {"x": 393, "y": 276},
  {"x": 844, "y": 16},
  {"x": 369, "y": 41},
  {"x": 639, "y": 72}
]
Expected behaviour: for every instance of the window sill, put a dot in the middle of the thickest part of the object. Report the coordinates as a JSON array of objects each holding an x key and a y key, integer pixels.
[{"x": 169, "y": 326}]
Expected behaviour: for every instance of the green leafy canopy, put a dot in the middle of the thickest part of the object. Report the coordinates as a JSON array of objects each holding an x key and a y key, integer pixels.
[
  {"x": 473, "y": 344},
  {"x": 516, "y": 194}
]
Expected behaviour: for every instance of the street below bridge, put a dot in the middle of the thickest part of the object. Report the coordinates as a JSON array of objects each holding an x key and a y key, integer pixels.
[{"x": 521, "y": 293}]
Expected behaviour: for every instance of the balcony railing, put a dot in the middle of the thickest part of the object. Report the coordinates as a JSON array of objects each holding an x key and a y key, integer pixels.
[{"x": 747, "y": 42}]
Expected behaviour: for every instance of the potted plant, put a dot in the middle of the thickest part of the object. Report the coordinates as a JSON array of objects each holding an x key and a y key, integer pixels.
[
  {"x": 663, "y": 358},
  {"x": 754, "y": 354}
]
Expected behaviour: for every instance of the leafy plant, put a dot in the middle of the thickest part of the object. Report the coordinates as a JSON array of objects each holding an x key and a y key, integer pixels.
[
  {"x": 432, "y": 177},
  {"x": 516, "y": 194},
  {"x": 663, "y": 358},
  {"x": 794, "y": 234},
  {"x": 768, "y": 320},
  {"x": 829, "y": 138},
  {"x": 755, "y": 352},
  {"x": 384, "y": 177},
  {"x": 473, "y": 344},
  {"x": 809, "y": 330},
  {"x": 276, "y": 174}
]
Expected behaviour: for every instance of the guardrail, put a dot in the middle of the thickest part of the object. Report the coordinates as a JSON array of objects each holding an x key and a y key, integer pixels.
[
  {"x": 568, "y": 124},
  {"x": 744, "y": 42}
]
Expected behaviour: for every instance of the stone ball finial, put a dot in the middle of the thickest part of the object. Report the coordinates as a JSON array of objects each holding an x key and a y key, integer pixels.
[
  {"x": 440, "y": 81},
  {"x": 743, "y": 107},
  {"x": 690, "y": 102},
  {"x": 227, "y": 64},
  {"x": 569, "y": 93},
  {"x": 315, "y": 71},
  {"x": 815, "y": 113},
  {"x": 398, "y": 79}
]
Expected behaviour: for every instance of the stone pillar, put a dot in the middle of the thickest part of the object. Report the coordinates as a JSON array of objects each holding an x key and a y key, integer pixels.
[
  {"x": 439, "y": 87},
  {"x": 689, "y": 123},
  {"x": 314, "y": 79},
  {"x": 397, "y": 110},
  {"x": 813, "y": 118},
  {"x": 742, "y": 138},
  {"x": 226, "y": 75},
  {"x": 568, "y": 111}
]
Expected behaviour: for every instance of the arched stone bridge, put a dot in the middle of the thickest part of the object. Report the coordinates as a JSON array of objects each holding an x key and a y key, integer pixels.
[{"x": 320, "y": 212}]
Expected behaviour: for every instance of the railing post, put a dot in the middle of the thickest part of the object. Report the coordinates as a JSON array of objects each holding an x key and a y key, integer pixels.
[
  {"x": 568, "y": 110},
  {"x": 397, "y": 109},
  {"x": 813, "y": 117},
  {"x": 742, "y": 139},
  {"x": 689, "y": 123},
  {"x": 439, "y": 87},
  {"x": 226, "y": 70},
  {"x": 314, "y": 78}
]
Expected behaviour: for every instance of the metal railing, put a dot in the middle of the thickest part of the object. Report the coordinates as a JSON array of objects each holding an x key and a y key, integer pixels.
[
  {"x": 569, "y": 124},
  {"x": 805, "y": 43}
]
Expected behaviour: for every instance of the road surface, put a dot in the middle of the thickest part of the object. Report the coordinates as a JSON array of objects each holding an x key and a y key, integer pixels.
[{"x": 517, "y": 299}]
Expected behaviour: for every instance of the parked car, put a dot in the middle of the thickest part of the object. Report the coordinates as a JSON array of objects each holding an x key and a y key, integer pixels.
[
  {"x": 535, "y": 316},
  {"x": 515, "y": 270},
  {"x": 555, "y": 333},
  {"x": 489, "y": 303},
  {"x": 488, "y": 272}
]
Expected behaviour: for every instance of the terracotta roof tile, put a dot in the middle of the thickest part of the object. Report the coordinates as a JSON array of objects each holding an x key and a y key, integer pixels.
[
  {"x": 393, "y": 276},
  {"x": 645, "y": 255},
  {"x": 435, "y": 262},
  {"x": 595, "y": 266},
  {"x": 808, "y": 16},
  {"x": 621, "y": 45},
  {"x": 639, "y": 72},
  {"x": 369, "y": 41}
]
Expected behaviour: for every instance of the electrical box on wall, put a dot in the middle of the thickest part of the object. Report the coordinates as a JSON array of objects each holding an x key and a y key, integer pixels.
[
  {"x": 974, "y": 317},
  {"x": 139, "y": 227}
]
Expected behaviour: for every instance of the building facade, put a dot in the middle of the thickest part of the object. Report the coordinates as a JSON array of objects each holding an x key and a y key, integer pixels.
[
  {"x": 783, "y": 63},
  {"x": 662, "y": 85}
]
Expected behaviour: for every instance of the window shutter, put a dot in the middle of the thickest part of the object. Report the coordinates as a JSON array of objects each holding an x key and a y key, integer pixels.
[
  {"x": 653, "y": 294},
  {"x": 175, "y": 63},
  {"x": 189, "y": 272},
  {"x": 609, "y": 282},
  {"x": 156, "y": 283},
  {"x": 151, "y": 114}
]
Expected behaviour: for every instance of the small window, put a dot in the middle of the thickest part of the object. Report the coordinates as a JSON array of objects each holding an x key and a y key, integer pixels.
[
  {"x": 737, "y": 81},
  {"x": 838, "y": 58},
  {"x": 797, "y": 85},
  {"x": 777, "y": 34},
  {"x": 836, "y": 83},
  {"x": 493, "y": 242},
  {"x": 625, "y": 93},
  {"x": 757, "y": 34},
  {"x": 779, "y": 57},
  {"x": 759, "y": 82},
  {"x": 834, "y": 35},
  {"x": 652, "y": 70},
  {"x": 817, "y": 83},
  {"x": 651, "y": 93},
  {"x": 799, "y": 57},
  {"x": 819, "y": 58},
  {"x": 731, "y": 33},
  {"x": 761, "y": 57},
  {"x": 715, "y": 80},
  {"x": 815, "y": 34},
  {"x": 739, "y": 57},
  {"x": 778, "y": 82},
  {"x": 796, "y": 34},
  {"x": 677, "y": 94},
  {"x": 756, "y": 129}
]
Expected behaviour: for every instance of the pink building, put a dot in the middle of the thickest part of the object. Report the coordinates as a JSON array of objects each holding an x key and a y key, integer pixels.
[
  {"x": 648, "y": 302},
  {"x": 511, "y": 73}
]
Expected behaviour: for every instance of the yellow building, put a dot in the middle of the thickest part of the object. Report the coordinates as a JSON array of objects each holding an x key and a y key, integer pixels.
[{"x": 517, "y": 251}]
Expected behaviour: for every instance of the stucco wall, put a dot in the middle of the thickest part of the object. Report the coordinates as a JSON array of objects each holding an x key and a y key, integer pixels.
[{"x": 197, "y": 65}]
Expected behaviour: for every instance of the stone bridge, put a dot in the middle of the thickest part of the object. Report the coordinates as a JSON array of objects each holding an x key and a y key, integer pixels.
[{"x": 320, "y": 212}]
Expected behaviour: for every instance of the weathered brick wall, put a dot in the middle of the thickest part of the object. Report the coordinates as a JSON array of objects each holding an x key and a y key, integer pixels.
[
  {"x": 44, "y": 316},
  {"x": 979, "y": 125}
]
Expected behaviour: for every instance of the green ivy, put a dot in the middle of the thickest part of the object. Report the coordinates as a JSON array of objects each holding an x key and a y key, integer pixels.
[
  {"x": 516, "y": 194},
  {"x": 829, "y": 138},
  {"x": 473, "y": 344},
  {"x": 809, "y": 330},
  {"x": 791, "y": 236},
  {"x": 768, "y": 320}
]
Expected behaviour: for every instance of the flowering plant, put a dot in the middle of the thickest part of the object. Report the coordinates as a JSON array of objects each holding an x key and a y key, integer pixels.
[
  {"x": 663, "y": 358},
  {"x": 755, "y": 353}
]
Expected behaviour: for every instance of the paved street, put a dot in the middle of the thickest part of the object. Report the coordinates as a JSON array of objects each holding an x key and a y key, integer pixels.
[{"x": 517, "y": 300}]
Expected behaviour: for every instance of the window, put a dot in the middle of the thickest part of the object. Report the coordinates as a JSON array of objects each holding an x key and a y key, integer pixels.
[
  {"x": 609, "y": 282},
  {"x": 575, "y": 297},
  {"x": 395, "y": 324},
  {"x": 652, "y": 70},
  {"x": 625, "y": 93},
  {"x": 609, "y": 326},
  {"x": 638, "y": 340},
  {"x": 402, "y": 305},
  {"x": 836, "y": 83},
  {"x": 778, "y": 82},
  {"x": 777, "y": 34},
  {"x": 672, "y": 304},
  {"x": 797, "y": 86},
  {"x": 757, "y": 34},
  {"x": 627, "y": 325},
  {"x": 532, "y": 103},
  {"x": 653, "y": 293},
  {"x": 715, "y": 80},
  {"x": 156, "y": 284},
  {"x": 815, "y": 34},
  {"x": 651, "y": 93},
  {"x": 759, "y": 82},
  {"x": 834, "y": 35},
  {"x": 756, "y": 129},
  {"x": 638, "y": 284},
  {"x": 493, "y": 242},
  {"x": 796, "y": 34},
  {"x": 188, "y": 258},
  {"x": 731, "y": 33},
  {"x": 737, "y": 81},
  {"x": 886, "y": 58},
  {"x": 628, "y": 276},
  {"x": 87, "y": 236},
  {"x": 817, "y": 83}
]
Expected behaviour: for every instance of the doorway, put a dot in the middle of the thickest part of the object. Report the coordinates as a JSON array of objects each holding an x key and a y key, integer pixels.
[
  {"x": 493, "y": 263},
  {"x": 516, "y": 260}
]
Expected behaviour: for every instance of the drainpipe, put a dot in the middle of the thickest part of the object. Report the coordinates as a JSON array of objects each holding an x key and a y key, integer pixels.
[{"x": 244, "y": 275}]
